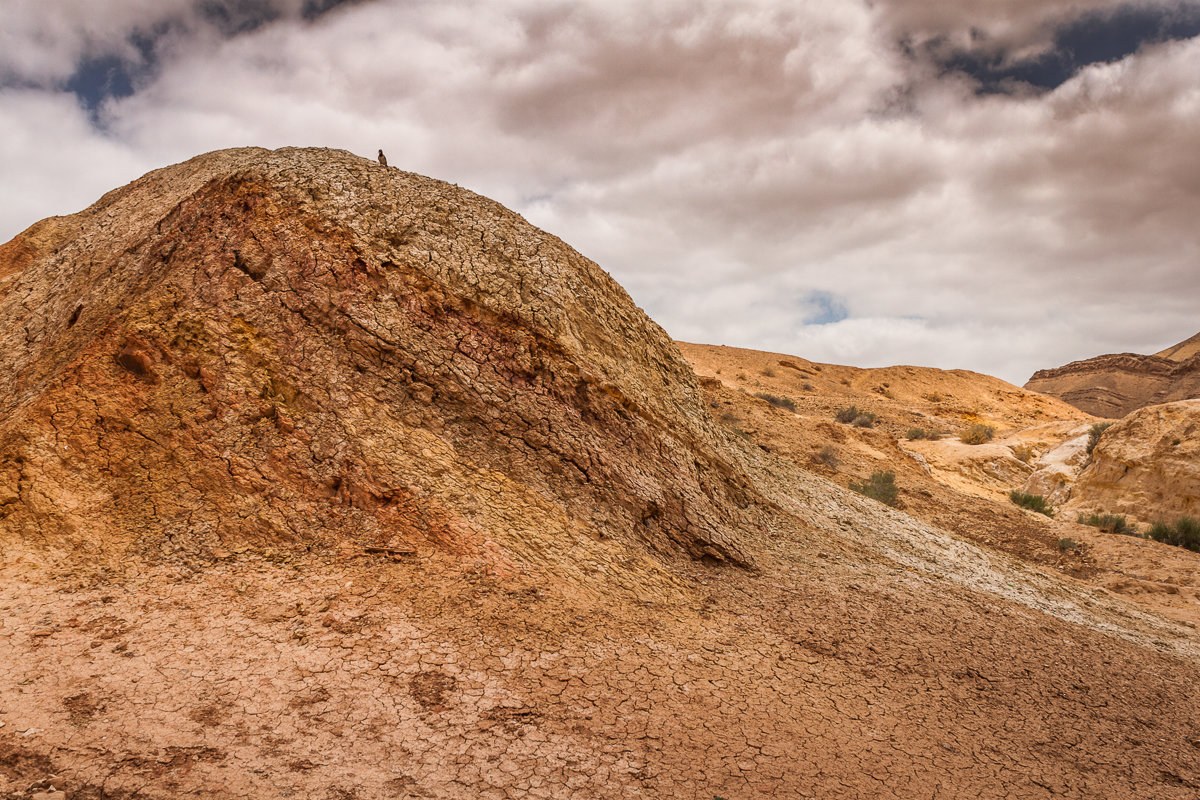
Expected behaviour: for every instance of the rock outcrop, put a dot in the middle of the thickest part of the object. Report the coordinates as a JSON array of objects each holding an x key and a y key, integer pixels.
[
  {"x": 1114, "y": 385},
  {"x": 1146, "y": 466},
  {"x": 302, "y": 348}
]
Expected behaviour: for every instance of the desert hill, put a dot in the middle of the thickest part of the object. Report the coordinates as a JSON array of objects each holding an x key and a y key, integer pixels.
[
  {"x": 323, "y": 479},
  {"x": 1039, "y": 446},
  {"x": 1114, "y": 385}
]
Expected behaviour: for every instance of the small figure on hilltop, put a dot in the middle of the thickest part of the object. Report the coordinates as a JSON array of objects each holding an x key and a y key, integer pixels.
[{"x": 382, "y": 157}]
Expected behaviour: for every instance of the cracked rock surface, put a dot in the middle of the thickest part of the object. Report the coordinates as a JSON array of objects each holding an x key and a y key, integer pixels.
[{"x": 320, "y": 479}]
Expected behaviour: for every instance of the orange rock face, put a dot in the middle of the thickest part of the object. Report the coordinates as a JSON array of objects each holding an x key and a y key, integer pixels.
[{"x": 1146, "y": 466}]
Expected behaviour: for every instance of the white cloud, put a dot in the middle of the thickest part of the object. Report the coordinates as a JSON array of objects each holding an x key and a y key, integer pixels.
[{"x": 724, "y": 159}]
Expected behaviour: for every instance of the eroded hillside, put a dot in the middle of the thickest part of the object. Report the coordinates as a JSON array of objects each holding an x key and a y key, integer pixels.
[{"x": 322, "y": 479}]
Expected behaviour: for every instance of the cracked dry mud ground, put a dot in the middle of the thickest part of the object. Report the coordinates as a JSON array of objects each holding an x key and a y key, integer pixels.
[{"x": 827, "y": 676}]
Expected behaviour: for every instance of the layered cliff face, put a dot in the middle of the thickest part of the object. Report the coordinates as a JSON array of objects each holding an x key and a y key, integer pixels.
[
  {"x": 1114, "y": 385},
  {"x": 1146, "y": 466},
  {"x": 304, "y": 349}
]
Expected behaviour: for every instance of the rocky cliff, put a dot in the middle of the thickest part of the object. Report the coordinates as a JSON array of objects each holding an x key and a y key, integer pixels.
[
  {"x": 303, "y": 349},
  {"x": 1146, "y": 466},
  {"x": 1114, "y": 385}
]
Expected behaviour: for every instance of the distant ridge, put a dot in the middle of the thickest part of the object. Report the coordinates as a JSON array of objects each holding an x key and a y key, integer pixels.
[
  {"x": 1118, "y": 384},
  {"x": 1182, "y": 351}
]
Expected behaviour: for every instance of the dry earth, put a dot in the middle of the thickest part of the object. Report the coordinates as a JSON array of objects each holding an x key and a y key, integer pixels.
[{"x": 325, "y": 480}]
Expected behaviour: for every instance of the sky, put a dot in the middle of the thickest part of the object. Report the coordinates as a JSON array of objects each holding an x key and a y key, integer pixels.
[{"x": 1001, "y": 185}]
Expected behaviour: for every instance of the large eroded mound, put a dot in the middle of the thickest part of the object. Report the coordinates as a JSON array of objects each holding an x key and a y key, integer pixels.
[
  {"x": 1115, "y": 385},
  {"x": 301, "y": 347}
]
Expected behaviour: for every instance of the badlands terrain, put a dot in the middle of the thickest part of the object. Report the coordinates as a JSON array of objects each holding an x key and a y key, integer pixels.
[{"x": 321, "y": 479}]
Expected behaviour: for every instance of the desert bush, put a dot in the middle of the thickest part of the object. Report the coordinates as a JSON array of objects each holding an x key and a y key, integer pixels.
[
  {"x": 933, "y": 397},
  {"x": 977, "y": 434},
  {"x": 808, "y": 387},
  {"x": 1095, "y": 433},
  {"x": 779, "y": 402},
  {"x": 853, "y": 415},
  {"x": 827, "y": 456},
  {"x": 1023, "y": 453},
  {"x": 1184, "y": 532},
  {"x": 923, "y": 433},
  {"x": 1109, "y": 523},
  {"x": 1067, "y": 545},
  {"x": 881, "y": 486},
  {"x": 767, "y": 372},
  {"x": 1034, "y": 502}
]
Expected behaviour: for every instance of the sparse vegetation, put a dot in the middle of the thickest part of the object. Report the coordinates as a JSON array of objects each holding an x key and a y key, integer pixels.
[
  {"x": 881, "y": 486},
  {"x": 785, "y": 403},
  {"x": 1033, "y": 502},
  {"x": 806, "y": 386},
  {"x": 933, "y": 397},
  {"x": 885, "y": 391},
  {"x": 767, "y": 372},
  {"x": 1184, "y": 532},
  {"x": 729, "y": 418},
  {"x": 1023, "y": 453},
  {"x": 853, "y": 415},
  {"x": 1109, "y": 523},
  {"x": 977, "y": 434},
  {"x": 828, "y": 456},
  {"x": 1067, "y": 545},
  {"x": 923, "y": 433},
  {"x": 1095, "y": 433}
]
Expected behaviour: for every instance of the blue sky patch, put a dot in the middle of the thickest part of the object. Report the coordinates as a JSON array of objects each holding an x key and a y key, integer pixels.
[{"x": 825, "y": 308}]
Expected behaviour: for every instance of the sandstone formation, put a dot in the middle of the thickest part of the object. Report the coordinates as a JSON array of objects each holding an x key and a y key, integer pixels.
[
  {"x": 322, "y": 479},
  {"x": 1115, "y": 385},
  {"x": 1146, "y": 466}
]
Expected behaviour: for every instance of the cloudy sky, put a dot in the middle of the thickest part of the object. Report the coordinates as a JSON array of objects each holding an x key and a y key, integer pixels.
[{"x": 999, "y": 185}]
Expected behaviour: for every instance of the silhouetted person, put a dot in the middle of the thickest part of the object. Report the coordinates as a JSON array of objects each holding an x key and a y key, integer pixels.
[{"x": 382, "y": 157}]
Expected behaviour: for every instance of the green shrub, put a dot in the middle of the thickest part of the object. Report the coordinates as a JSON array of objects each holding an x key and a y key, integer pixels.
[
  {"x": 1184, "y": 532},
  {"x": 847, "y": 414},
  {"x": 779, "y": 402},
  {"x": 977, "y": 434},
  {"x": 922, "y": 433},
  {"x": 1109, "y": 523},
  {"x": 1034, "y": 502},
  {"x": 1067, "y": 545},
  {"x": 853, "y": 415},
  {"x": 881, "y": 487},
  {"x": 1095, "y": 433}
]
